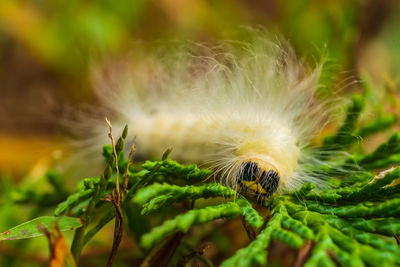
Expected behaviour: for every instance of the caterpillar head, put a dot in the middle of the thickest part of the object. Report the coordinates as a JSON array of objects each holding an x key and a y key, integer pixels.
[
  {"x": 261, "y": 180},
  {"x": 262, "y": 166}
]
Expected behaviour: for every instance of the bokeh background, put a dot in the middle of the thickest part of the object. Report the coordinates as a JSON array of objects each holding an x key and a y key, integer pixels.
[{"x": 48, "y": 47}]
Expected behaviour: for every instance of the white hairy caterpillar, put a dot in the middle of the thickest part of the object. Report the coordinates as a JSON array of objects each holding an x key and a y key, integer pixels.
[{"x": 248, "y": 111}]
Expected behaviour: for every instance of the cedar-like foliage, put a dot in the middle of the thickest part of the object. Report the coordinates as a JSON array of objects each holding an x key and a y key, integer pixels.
[{"x": 352, "y": 222}]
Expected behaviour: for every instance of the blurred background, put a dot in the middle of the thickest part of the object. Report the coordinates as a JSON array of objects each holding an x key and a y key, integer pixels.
[{"x": 47, "y": 48}]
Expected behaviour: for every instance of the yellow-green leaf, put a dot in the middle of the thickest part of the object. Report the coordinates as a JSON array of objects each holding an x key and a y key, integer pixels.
[{"x": 30, "y": 229}]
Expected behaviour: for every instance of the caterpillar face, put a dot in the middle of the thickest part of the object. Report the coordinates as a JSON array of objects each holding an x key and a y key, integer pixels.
[{"x": 259, "y": 181}]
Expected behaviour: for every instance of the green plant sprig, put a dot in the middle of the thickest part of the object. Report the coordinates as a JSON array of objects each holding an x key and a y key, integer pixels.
[
  {"x": 172, "y": 168},
  {"x": 373, "y": 189},
  {"x": 183, "y": 222},
  {"x": 353, "y": 222},
  {"x": 156, "y": 195}
]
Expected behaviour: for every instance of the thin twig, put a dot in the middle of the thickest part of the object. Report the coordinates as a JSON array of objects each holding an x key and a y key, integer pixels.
[
  {"x": 161, "y": 255},
  {"x": 111, "y": 213},
  {"x": 118, "y": 233},
  {"x": 304, "y": 253},
  {"x": 116, "y": 199},
  {"x": 397, "y": 237},
  {"x": 249, "y": 230},
  {"x": 116, "y": 161}
]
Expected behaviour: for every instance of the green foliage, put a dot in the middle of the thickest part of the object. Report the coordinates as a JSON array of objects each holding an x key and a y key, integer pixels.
[
  {"x": 156, "y": 195},
  {"x": 352, "y": 222},
  {"x": 73, "y": 200},
  {"x": 385, "y": 155},
  {"x": 378, "y": 125},
  {"x": 172, "y": 168},
  {"x": 378, "y": 189},
  {"x": 356, "y": 219},
  {"x": 183, "y": 222}
]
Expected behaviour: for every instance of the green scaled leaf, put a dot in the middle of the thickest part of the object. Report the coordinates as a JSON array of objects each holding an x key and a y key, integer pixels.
[
  {"x": 385, "y": 155},
  {"x": 254, "y": 254},
  {"x": 378, "y": 125},
  {"x": 319, "y": 256},
  {"x": 30, "y": 229},
  {"x": 374, "y": 188},
  {"x": 297, "y": 227},
  {"x": 156, "y": 195},
  {"x": 285, "y": 236},
  {"x": 172, "y": 168},
  {"x": 185, "y": 221},
  {"x": 386, "y": 209},
  {"x": 350, "y": 246},
  {"x": 72, "y": 201},
  {"x": 250, "y": 214},
  {"x": 386, "y": 226}
]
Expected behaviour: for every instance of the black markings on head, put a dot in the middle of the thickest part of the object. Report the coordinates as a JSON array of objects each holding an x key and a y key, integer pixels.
[
  {"x": 249, "y": 171},
  {"x": 260, "y": 182},
  {"x": 270, "y": 181}
]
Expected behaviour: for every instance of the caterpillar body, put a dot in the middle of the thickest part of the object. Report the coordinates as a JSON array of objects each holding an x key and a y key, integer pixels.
[{"x": 248, "y": 111}]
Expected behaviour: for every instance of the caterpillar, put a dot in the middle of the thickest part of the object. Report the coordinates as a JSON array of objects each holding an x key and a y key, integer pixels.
[{"x": 248, "y": 111}]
